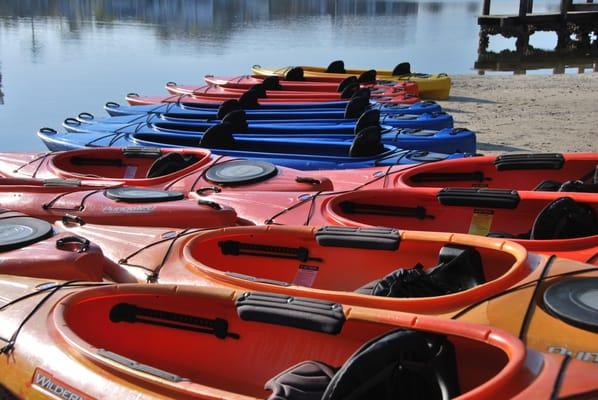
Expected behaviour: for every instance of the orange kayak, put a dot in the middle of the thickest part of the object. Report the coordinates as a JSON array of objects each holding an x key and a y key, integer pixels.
[
  {"x": 564, "y": 224},
  {"x": 454, "y": 276},
  {"x": 31, "y": 247},
  {"x": 78, "y": 202},
  {"x": 306, "y": 84},
  {"x": 553, "y": 172},
  {"x": 184, "y": 170},
  {"x": 92, "y": 341},
  {"x": 382, "y": 94}
]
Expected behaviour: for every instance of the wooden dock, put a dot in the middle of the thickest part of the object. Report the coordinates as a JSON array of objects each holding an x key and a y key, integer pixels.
[{"x": 573, "y": 25}]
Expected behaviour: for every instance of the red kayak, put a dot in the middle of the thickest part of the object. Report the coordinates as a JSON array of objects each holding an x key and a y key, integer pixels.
[
  {"x": 381, "y": 95},
  {"x": 564, "y": 224},
  {"x": 80, "y": 202},
  {"x": 31, "y": 247},
  {"x": 184, "y": 170},
  {"x": 308, "y": 84},
  {"x": 550, "y": 172}
]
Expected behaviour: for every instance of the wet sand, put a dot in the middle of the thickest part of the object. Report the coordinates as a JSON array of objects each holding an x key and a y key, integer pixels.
[{"x": 547, "y": 113}]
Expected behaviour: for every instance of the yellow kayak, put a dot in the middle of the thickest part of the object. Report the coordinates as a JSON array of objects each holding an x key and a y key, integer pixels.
[{"x": 431, "y": 86}]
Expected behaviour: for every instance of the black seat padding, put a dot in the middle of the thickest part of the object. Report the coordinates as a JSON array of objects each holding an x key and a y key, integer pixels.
[
  {"x": 169, "y": 163},
  {"x": 459, "y": 268},
  {"x": 399, "y": 364},
  {"x": 218, "y": 137},
  {"x": 564, "y": 218},
  {"x": 305, "y": 381},
  {"x": 548, "y": 186}
]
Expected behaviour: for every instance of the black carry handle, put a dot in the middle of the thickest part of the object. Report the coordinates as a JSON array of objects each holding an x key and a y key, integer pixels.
[
  {"x": 80, "y": 244},
  {"x": 358, "y": 238},
  {"x": 142, "y": 152},
  {"x": 126, "y": 312},
  {"x": 297, "y": 312},
  {"x": 350, "y": 207},
  {"x": 476, "y": 197},
  {"x": 235, "y": 248},
  {"x": 308, "y": 180},
  {"x": 69, "y": 219},
  {"x": 509, "y": 162},
  {"x": 477, "y": 176}
]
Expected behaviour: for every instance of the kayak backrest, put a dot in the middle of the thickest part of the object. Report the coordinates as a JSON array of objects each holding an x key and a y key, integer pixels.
[
  {"x": 249, "y": 99},
  {"x": 259, "y": 90},
  {"x": 363, "y": 92},
  {"x": 367, "y": 119},
  {"x": 350, "y": 90},
  {"x": 295, "y": 74},
  {"x": 350, "y": 80},
  {"x": 398, "y": 364},
  {"x": 367, "y": 76},
  {"x": 237, "y": 119},
  {"x": 218, "y": 136},
  {"x": 169, "y": 163},
  {"x": 226, "y": 107},
  {"x": 336, "y": 67},
  {"x": 564, "y": 218},
  {"x": 271, "y": 83},
  {"x": 367, "y": 143},
  {"x": 356, "y": 107},
  {"x": 403, "y": 68}
]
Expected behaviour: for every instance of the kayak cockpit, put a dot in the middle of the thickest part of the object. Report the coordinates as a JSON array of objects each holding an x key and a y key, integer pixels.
[
  {"x": 366, "y": 266},
  {"x": 129, "y": 163},
  {"x": 254, "y": 345}
]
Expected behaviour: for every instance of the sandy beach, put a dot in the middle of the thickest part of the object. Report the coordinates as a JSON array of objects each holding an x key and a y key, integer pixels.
[{"x": 545, "y": 113}]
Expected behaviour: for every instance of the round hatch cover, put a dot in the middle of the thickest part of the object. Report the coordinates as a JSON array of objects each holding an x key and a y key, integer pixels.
[
  {"x": 575, "y": 301},
  {"x": 237, "y": 172},
  {"x": 22, "y": 231},
  {"x": 138, "y": 195}
]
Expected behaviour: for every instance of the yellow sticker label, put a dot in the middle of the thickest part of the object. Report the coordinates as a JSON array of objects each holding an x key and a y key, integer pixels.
[{"x": 481, "y": 221}]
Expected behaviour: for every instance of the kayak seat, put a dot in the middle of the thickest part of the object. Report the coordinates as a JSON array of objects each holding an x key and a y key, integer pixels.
[
  {"x": 403, "y": 68},
  {"x": 170, "y": 163},
  {"x": 304, "y": 381},
  {"x": 219, "y": 137},
  {"x": 459, "y": 268},
  {"x": 562, "y": 218},
  {"x": 397, "y": 364},
  {"x": 548, "y": 186},
  {"x": 578, "y": 186},
  {"x": 367, "y": 143},
  {"x": 295, "y": 74},
  {"x": 336, "y": 67}
]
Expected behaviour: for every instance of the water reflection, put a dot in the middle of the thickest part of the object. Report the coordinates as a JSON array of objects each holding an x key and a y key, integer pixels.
[{"x": 1, "y": 92}]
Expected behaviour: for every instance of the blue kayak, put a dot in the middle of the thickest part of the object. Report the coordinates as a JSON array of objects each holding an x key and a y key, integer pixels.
[
  {"x": 366, "y": 149},
  {"x": 339, "y": 109},
  {"x": 446, "y": 140}
]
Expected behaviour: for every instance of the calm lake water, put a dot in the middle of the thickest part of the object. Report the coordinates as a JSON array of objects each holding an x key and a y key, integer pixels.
[{"x": 61, "y": 57}]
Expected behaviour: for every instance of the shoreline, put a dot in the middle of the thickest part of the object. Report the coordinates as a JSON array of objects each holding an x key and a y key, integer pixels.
[{"x": 523, "y": 113}]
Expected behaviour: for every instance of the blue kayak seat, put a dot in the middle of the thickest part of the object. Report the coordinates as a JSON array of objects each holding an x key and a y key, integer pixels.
[
  {"x": 218, "y": 137},
  {"x": 367, "y": 119},
  {"x": 356, "y": 107},
  {"x": 336, "y": 67},
  {"x": 237, "y": 119},
  {"x": 294, "y": 74},
  {"x": 350, "y": 80},
  {"x": 367, "y": 143},
  {"x": 399, "y": 364},
  {"x": 403, "y": 68},
  {"x": 226, "y": 107}
]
